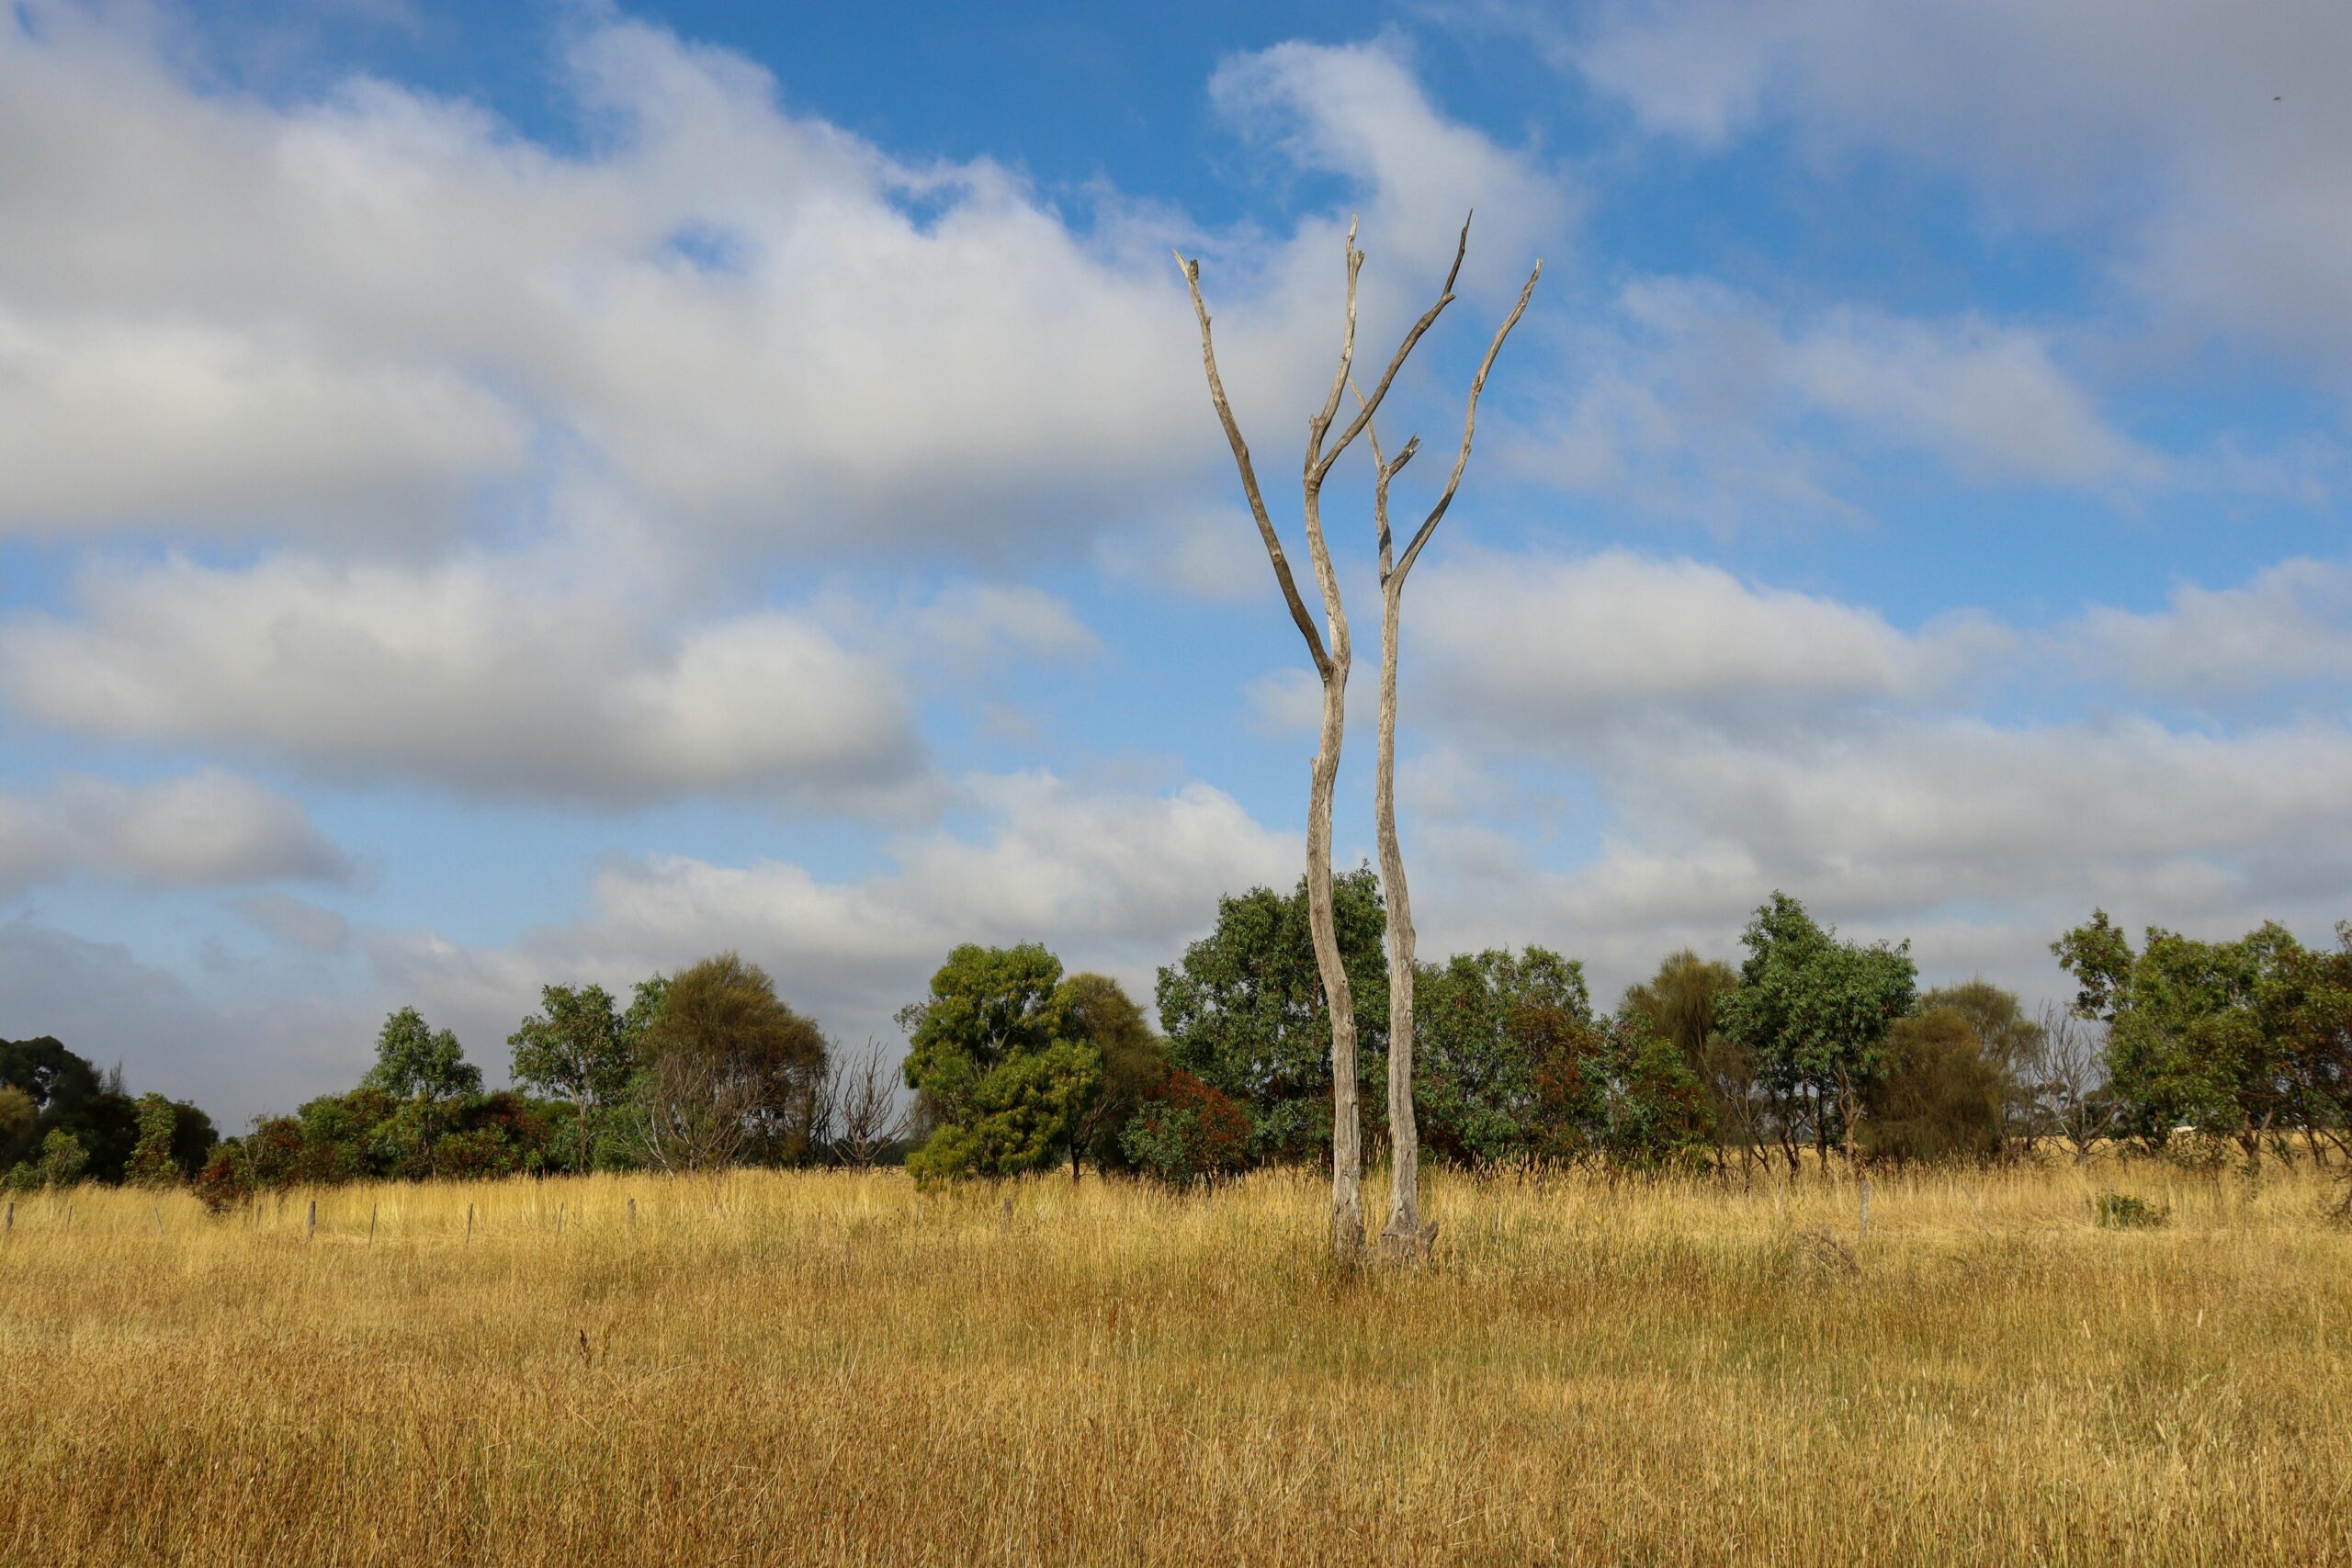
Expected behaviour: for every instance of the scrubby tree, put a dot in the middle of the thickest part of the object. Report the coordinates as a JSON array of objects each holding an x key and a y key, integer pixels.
[
  {"x": 1813, "y": 1011},
  {"x": 1246, "y": 1013},
  {"x": 577, "y": 1047},
  {"x": 2190, "y": 1040},
  {"x": 2008, "y": 1039},
  {"x": 1186, "y": 1132},
  {"x": 1133, "y": 1066},
  {"x": 861, "y": 1115},
  {"x": 150, "y": 1162},
  {"x": 731, "y": 1070},
  {"x": 415, "y": 1061},
  {"x": 996, "y": 1059},
  {"x": 1939, "y": 1094},
  {"x": 1485, "y": 1021},
  {"x": 1679, "y": 1006}
]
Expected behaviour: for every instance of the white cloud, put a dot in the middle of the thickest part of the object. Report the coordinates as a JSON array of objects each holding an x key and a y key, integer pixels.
[
  {"x": 1538, "y": 647},
  {"x": 295, "y": 922},
  {"x": 204, "y": 829},
  {"x": 2210, "y": 135},
  {"x": 489, "y": 674},
  {"x": 970, "y": 623},
  {"x": 1691, "y": 399},
  {"x": 342, "y": 312},
  {"x": 2291, "y": 624}
]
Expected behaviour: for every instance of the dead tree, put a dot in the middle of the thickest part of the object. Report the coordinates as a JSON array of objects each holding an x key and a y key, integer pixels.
[
  {"x": 1405, "y": 1236},
  {"x": 1331, "y": 662}
]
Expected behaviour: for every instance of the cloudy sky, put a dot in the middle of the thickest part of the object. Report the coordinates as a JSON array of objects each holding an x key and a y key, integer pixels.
[{"x": 499, "y": 496}]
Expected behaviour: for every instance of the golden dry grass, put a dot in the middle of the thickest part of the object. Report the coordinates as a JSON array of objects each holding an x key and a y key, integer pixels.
[{"x": 837, "y": 1369}]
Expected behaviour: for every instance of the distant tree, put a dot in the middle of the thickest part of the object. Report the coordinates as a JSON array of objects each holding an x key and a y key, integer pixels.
[
  {"x": 1244, "y": 1008},
  {"x": 55, "y": 1077},
  {"x": 18, "y": 1115},
  {"x": 414, "y": 1061},
  {"x": 1607, "y": 1091},
  {"x": 576, "y": 1048},
  {"x": 1186, "y": 1131},
  {"x": 1939, "y": 1095},
  {"x": 862, "y": 1117},
  {"x": 2008, "y": 1040},
  {"x": 2304, "y": 1005},
  {"x": 732, "y": 1071},
  {"x": 1135, "y": 1066},
  {"x": 2190, "y": 1041},
  {"x": 995, "y": 1057},
  {"x": 2067, "y": 1080},
  {"x": 1678, "y": 1005},
  {"x": 63, "y": 1159},
  {"x": 1484, "y": 1019},
  {"x": 1813, "y": 1011},
  {"x": 151, "y": 1162}
]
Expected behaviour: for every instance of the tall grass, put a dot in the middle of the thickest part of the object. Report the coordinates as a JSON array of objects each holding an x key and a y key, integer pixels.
[{"x": 839, "y": 1368}]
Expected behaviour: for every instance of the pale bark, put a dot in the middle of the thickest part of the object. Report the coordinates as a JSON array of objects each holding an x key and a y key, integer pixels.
[
  {"x": 1332, "y": 663},
  {"x": 1407, "y": 1236}
]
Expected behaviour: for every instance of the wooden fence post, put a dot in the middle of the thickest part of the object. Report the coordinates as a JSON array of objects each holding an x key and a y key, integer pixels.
[
  {"x": 371, "y": 1225},
  {"x": 469, "y": 1225},
  {"x": 12, "y": 1214},
  {"x": 1865, "y": 1233},
  {"x": 311, "y": 1225}
]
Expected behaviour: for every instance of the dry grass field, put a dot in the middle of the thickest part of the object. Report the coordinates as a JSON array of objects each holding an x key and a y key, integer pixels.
[{"x": 838, "y": 1369}]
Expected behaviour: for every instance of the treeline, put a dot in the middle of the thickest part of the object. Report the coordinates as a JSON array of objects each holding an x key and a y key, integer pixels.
[
  {"x": 64, "y": 1121},
  {"x": 1811, "y": 1048}
]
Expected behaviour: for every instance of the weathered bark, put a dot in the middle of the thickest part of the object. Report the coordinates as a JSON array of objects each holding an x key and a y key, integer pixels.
[
  {"x": 1332, "y": 663},
  {"x": 1407, "y": 1238}
]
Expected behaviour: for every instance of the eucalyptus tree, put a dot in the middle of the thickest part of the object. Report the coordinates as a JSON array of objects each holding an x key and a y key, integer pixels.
[{"x": 1332, "y": 659}]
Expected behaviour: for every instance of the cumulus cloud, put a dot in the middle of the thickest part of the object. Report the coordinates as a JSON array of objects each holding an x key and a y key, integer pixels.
[
  {"x": 346, "y": 311},
  {"x": 483, "y": 674},
  {"x": 2291, "y": 624},
  {"x": 204, "y": 829},
  {"x": 2209, "y": 135},
  {"x": 1691, "y": 399},
  {"x": 1544, "y": 646}
]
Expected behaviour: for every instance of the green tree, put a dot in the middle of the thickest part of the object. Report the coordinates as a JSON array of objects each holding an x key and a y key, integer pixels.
[
  {"x": 2009, "y": 1042},
  {"x": 414, "y": 1061},
  {"x": 151, "y": 1162},
  {"x": 997, "y": 1060},
  {"x": 731, "y": 1070},
  {"x": 1814, "y": 1012},
  {"x": 1244, "y": 1009},
  {"x": 1941, "y": 1093},
  {"x": 2190, "y": 1041},
  {"x": 1483, "y": 1020},
  {"x": 1135, "y": 1066},
  {"x": 63, "y": 1159},
  {"x": 1678, "y": 1005},
  {"x": 577, "y": 1047}
]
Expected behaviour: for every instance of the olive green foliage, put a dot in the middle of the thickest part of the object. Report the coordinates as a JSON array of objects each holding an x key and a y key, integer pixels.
[
  {"x": 66, "y": 1093},
  {"x": 730, "y": 1072},
  {"x": 1482, "y": 1022},
  {"x": 1939, "y": 1095},
  {"x": 415, "y": 1061},
  {"x": 997, "y": 1056},
  {"x": 1678, "y": 1005},
  {"x": 1244, "y": 1011},
  {"x": 1135, "y": 1066},
  {"x": 1813, "y": 1012},
  {"x": 2231, "y": 1039},
  {"x": 151, "y": 1162},
  {"x": 577, "y": 1047}
]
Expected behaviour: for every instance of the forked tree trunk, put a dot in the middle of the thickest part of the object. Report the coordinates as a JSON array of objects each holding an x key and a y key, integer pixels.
[
  {"x": 1407, "y": 1236},
  {"x": 1331, "y": 670}
]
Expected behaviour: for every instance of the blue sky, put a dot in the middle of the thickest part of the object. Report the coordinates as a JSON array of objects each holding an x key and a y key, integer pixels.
[{"x": 509, "y": 494}]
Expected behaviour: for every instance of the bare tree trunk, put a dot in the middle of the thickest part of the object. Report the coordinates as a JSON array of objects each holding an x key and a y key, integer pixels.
[
  {"x": 1331, "y": 670},
  {"x": 1405, "y": 1238}
]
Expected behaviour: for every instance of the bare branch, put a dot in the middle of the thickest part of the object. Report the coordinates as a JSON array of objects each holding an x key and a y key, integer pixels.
[
  {"x": 1320, "y": 424},
  {"x": 1191, "y": 270},
  {"x": 1317, "y": 469},
  {"x": 1469, "y": 427},
  {"x": 1384, "y": 471}
]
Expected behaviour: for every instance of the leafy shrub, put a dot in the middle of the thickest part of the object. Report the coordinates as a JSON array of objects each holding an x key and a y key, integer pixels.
[
  {"x": 2121, "y": 1211},
  {"x": 1188, "y": 1132}
]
